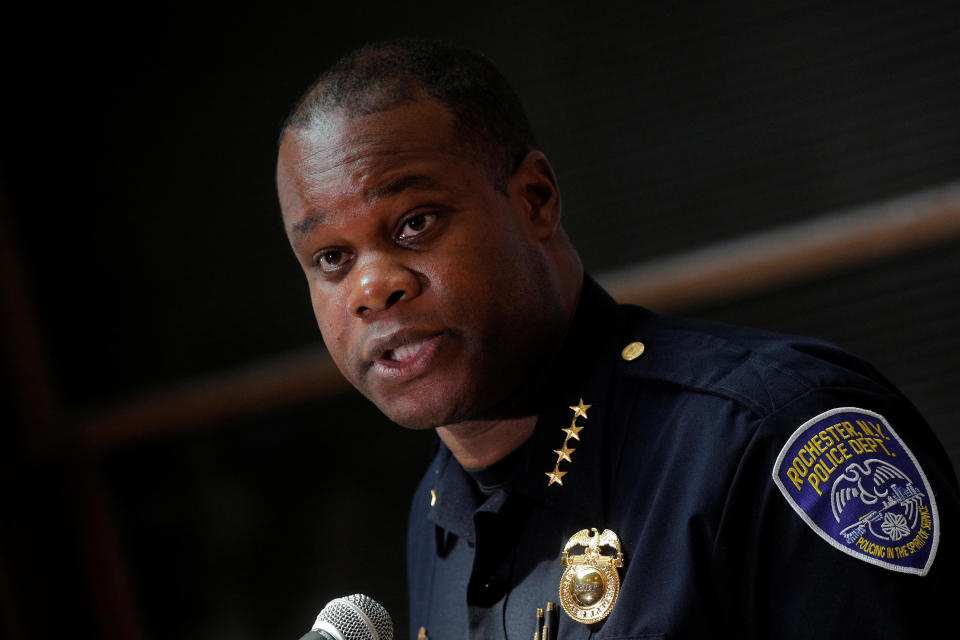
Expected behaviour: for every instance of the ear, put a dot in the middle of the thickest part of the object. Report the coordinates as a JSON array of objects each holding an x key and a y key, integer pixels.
[{"x": 533, "y": 186}]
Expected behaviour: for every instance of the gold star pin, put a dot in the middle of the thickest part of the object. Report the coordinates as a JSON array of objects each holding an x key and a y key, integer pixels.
[
  {"x": 555, "y": 476},
  {"x": 572, "y": 431},
  {"x": 564, "y": 452},
  {"x": 580, "y": 409}
]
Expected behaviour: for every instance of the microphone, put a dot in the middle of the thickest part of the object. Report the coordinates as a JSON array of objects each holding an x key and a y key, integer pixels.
[{"x": 356, "y": 617}]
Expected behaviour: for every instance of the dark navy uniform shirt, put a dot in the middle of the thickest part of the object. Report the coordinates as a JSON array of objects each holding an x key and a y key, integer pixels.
[{"x": 699, "y": 454}]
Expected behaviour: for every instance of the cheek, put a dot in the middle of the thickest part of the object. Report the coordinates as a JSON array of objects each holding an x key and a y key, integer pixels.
[
  {"x": 331, "y": 318},
  {"x": 485, "y": 270}
]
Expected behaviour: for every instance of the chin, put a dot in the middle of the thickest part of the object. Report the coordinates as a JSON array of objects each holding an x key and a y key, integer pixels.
[
  {"x": 429, "y": 403},
  {"x": 415, "y": 420},
  {"x": 414, "y": 415}
]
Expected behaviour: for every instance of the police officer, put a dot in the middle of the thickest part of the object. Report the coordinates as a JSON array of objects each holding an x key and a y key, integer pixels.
[{"x": 652, "y": 477}]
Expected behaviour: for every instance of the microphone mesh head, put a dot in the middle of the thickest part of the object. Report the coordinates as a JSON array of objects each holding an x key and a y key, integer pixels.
[{"x": 343, "y": 615}]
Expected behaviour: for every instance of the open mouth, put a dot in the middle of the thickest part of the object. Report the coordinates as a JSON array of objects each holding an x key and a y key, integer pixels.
[
  {"x": 408, "y": 359},
  {"x": 406, "y": 352}
]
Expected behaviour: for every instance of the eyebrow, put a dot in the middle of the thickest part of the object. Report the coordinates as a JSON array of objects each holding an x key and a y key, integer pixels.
[
  {"x": 308, "y": 224},
  {"x": 399, "y": 184},
  {"x": 386, "y": 189}
]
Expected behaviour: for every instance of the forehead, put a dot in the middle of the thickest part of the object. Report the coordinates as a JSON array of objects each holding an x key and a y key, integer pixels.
[{"x": 354, "y": 153}]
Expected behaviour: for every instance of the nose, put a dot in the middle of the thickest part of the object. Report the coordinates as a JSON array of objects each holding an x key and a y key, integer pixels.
[{"x": 381, "y": 283}]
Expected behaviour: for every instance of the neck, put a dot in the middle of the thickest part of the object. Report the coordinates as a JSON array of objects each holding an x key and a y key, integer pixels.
[{"x": 479, "y": 444}]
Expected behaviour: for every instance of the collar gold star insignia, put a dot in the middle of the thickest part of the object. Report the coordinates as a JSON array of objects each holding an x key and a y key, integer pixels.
[
  {"x": 564, "y": 452},
  {"x": 573, "y": 431},
  {"x": 580, "y": 410},
  {"x": 555, "y": 476}
]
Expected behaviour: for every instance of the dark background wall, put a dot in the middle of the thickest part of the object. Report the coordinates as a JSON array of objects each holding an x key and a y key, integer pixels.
[{"x": 142, "y": 250}]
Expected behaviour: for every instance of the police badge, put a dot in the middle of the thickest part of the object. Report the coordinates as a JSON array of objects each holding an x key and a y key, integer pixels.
[{"x": 590, "y": 584}]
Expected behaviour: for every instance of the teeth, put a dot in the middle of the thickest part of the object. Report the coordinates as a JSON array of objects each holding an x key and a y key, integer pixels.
[{"x": 405, "y": 352}]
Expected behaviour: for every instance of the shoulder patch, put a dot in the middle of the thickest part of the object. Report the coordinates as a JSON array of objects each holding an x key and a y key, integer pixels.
[{"x": 850, "y": 477}]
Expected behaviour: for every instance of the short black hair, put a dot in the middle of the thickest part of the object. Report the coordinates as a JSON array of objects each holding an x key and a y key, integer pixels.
[{"x": 488, "y": 116}]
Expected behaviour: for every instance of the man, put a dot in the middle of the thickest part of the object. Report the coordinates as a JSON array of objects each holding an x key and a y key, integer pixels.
[{"x": 654, "y": 476}]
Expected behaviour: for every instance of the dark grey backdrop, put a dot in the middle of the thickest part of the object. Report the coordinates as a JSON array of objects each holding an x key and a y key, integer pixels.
[{"x": 138, "y": 170}]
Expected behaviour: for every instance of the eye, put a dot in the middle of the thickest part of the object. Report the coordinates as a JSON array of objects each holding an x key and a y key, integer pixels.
[
  {"x": 332, "y": 260},
  {"x": 416, "y": 224}
]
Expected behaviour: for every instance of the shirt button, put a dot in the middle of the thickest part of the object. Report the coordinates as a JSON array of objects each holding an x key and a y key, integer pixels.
[{"x": 632, "y": 351}]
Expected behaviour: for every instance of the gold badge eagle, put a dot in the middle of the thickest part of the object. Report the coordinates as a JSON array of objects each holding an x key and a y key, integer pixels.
[{"x": 590, "y": 584}]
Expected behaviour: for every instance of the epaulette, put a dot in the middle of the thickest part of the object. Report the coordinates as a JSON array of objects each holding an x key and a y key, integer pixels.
[{"x": 759, "y": 369}]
